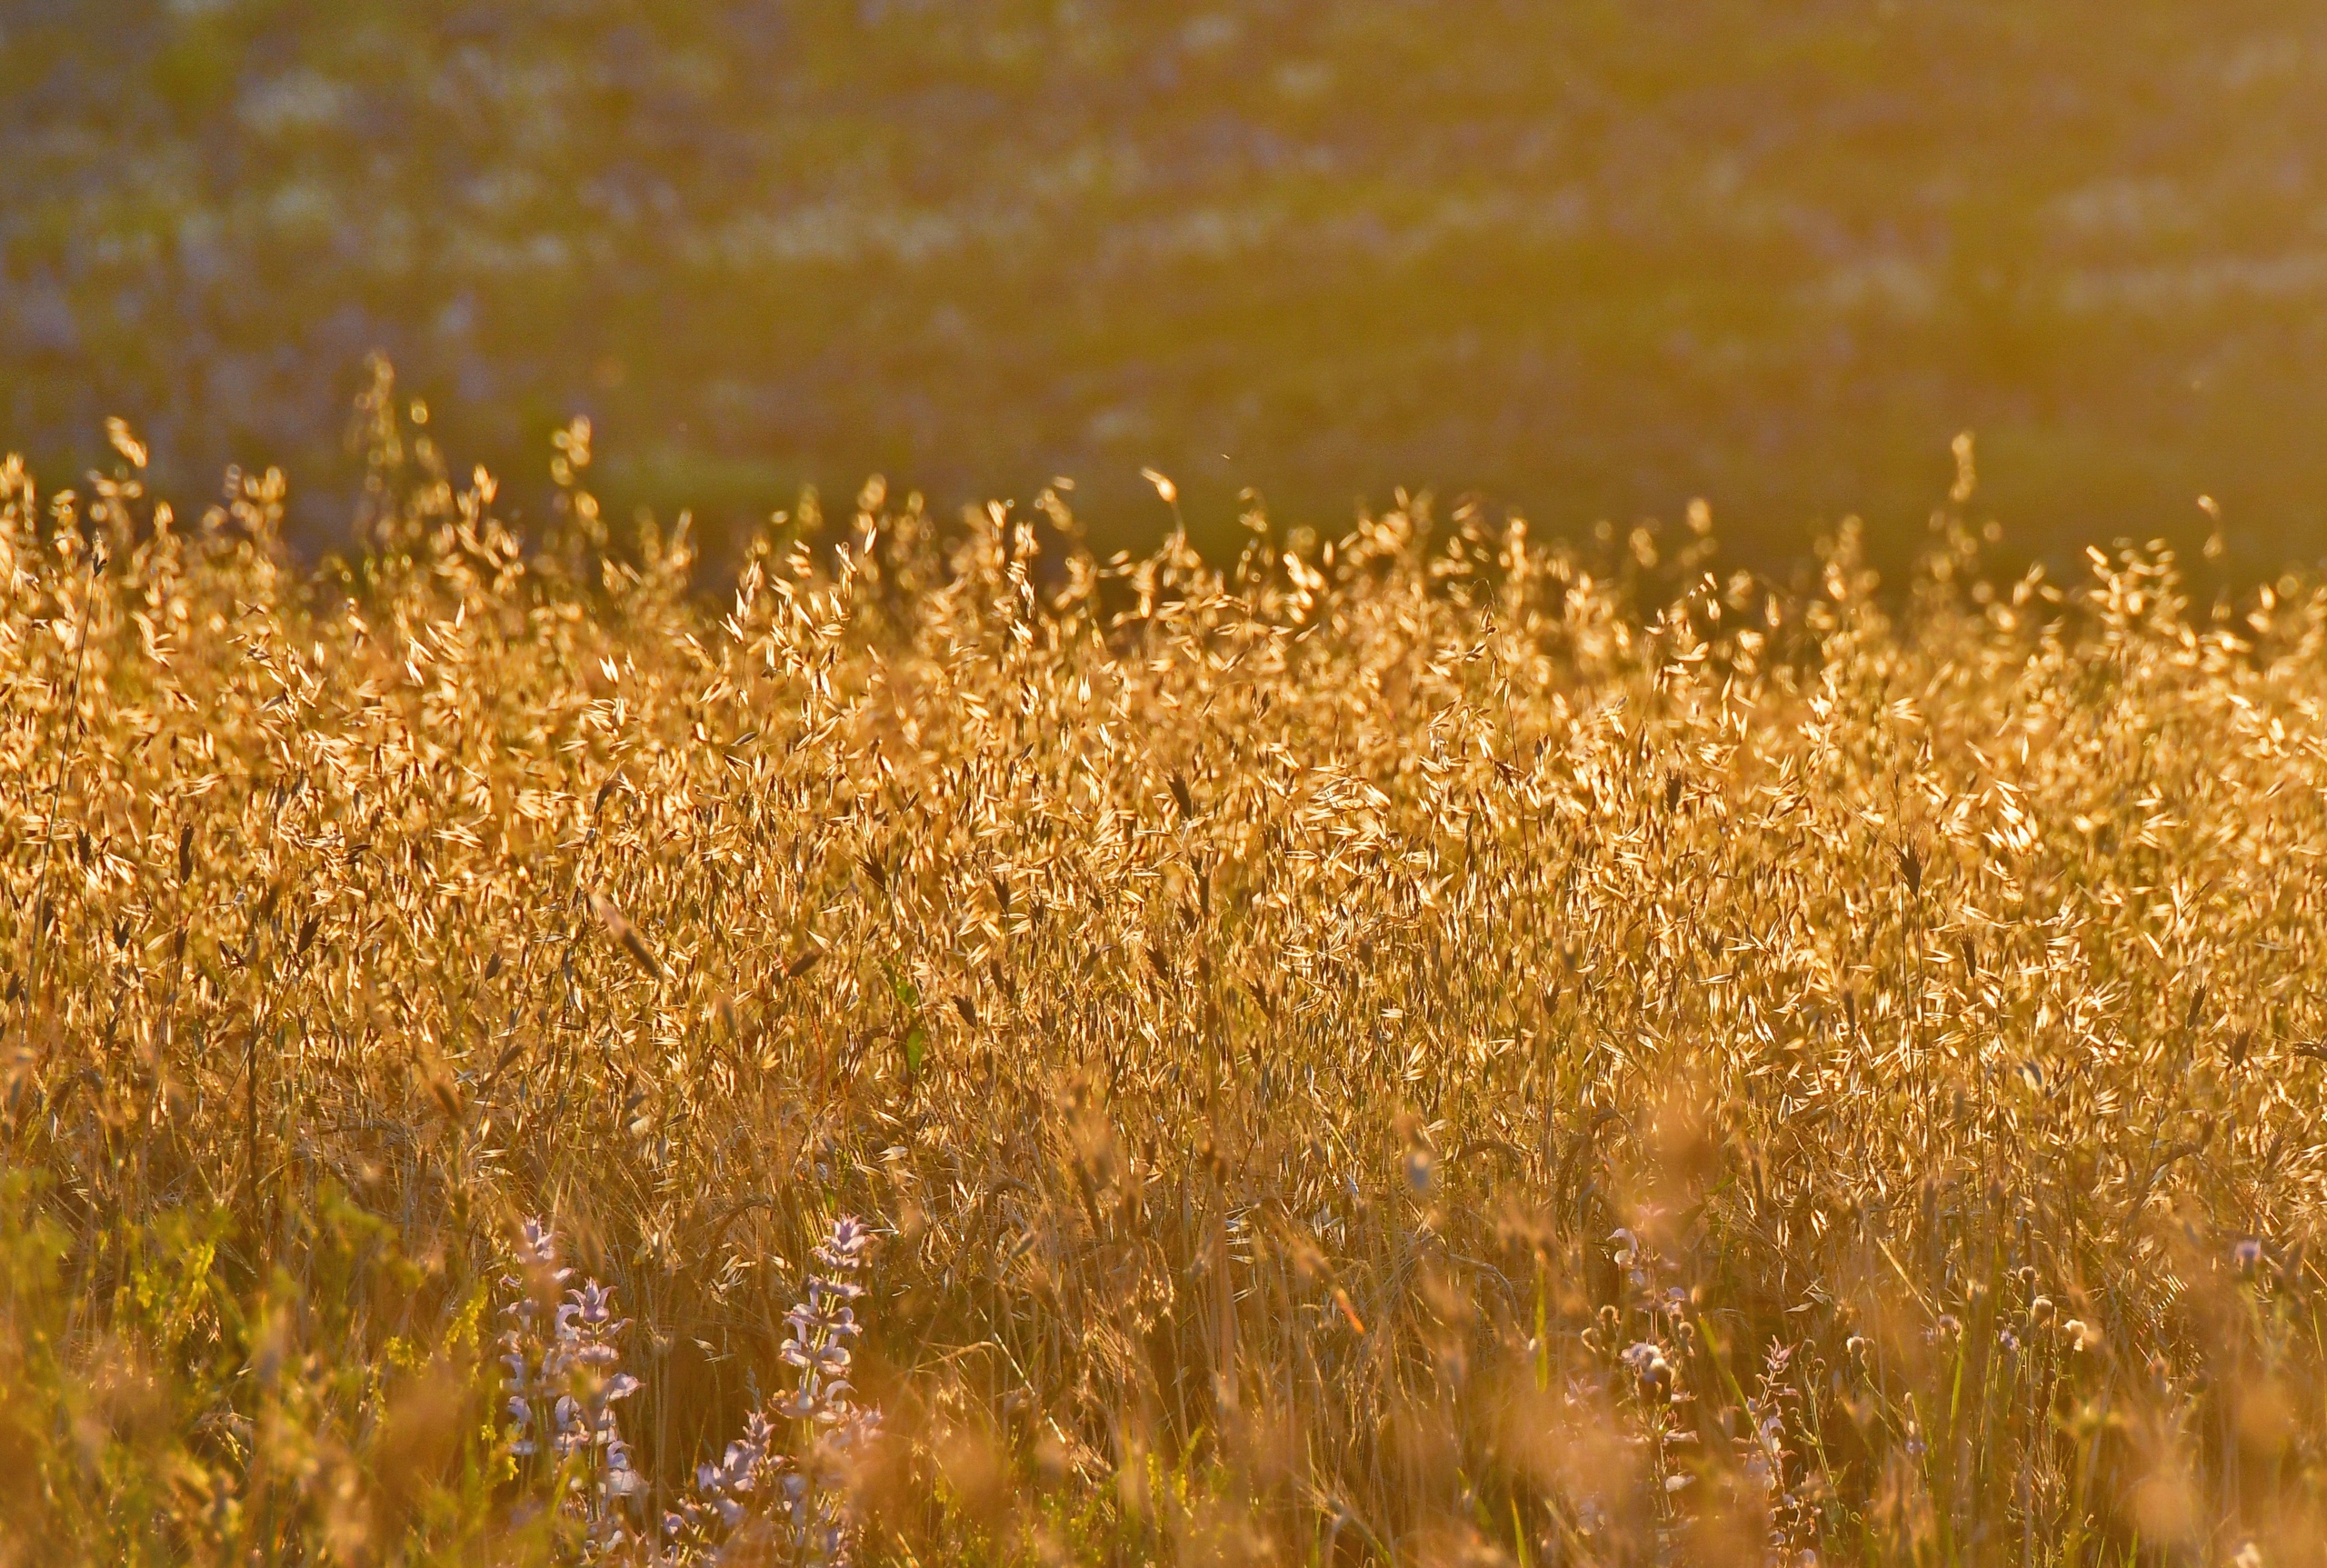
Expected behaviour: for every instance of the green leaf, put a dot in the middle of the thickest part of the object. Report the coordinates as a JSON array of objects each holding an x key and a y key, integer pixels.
[{"x": 902, "y": 989}]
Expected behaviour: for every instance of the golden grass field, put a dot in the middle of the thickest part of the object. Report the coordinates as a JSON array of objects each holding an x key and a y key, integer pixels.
[{"x": 1424, "y": 1047}]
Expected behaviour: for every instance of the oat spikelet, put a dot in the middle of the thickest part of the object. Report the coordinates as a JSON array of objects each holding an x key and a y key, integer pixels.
[{"x": 624, "y": 934}]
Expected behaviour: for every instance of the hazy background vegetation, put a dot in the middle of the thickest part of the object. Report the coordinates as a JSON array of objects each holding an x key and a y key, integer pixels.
[{"x": 1588, "y": 259}]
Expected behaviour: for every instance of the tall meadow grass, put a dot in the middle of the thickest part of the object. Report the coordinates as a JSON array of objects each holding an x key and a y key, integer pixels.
[{"x": 1424, "y": 1046}]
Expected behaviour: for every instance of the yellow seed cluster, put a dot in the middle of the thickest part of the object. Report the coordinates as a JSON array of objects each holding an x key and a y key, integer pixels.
[{"x": 1409, "y": 1046}]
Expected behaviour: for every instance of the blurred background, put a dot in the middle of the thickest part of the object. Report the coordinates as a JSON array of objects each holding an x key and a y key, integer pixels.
[{"x": 1586, "y": 259}]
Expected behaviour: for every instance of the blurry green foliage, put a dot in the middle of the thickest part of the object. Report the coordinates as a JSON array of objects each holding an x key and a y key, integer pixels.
[
  {"x": 163, "y": 1401},
  {"x": 1587, "y": 258}
]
